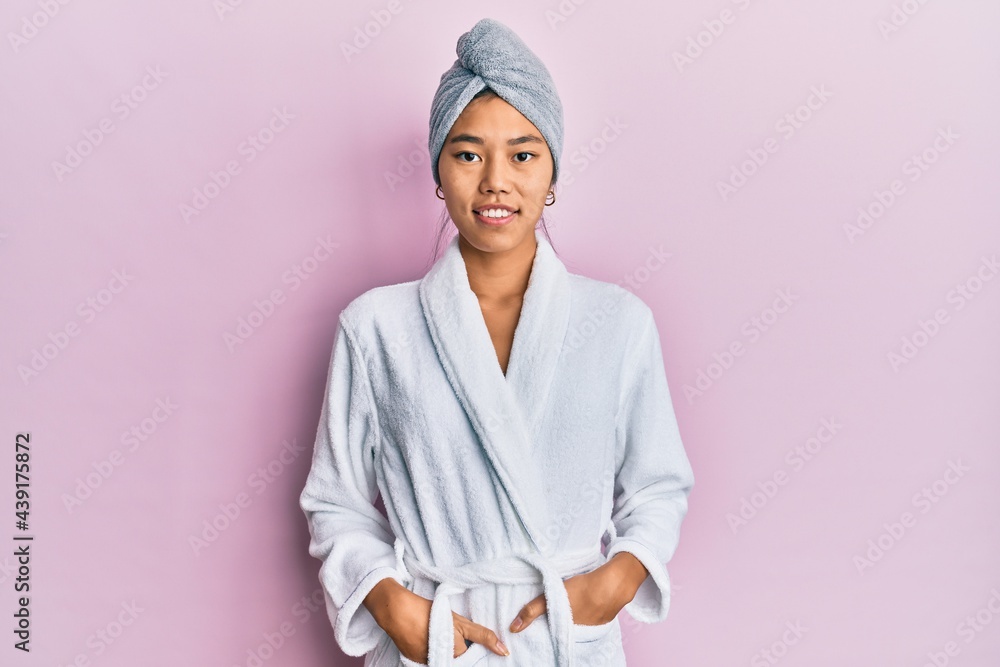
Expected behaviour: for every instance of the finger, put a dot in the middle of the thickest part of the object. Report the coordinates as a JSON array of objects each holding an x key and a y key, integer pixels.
[
  {"x": 528, "y": 613},
  {"x": 461, "y": 643},
  {"x": 486, "y": 637},
  {"x": 462, "y": 627}
]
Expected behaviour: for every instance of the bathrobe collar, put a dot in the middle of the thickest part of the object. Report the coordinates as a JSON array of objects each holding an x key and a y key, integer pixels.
[{"x": 504, "y": 411}]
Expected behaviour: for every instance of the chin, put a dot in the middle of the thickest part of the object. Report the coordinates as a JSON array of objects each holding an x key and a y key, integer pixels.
[{"x": 498, "y": 239}]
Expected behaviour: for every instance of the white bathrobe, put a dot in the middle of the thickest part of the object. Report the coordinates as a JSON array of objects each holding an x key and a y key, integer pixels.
[{"x": 497, "y": 488}]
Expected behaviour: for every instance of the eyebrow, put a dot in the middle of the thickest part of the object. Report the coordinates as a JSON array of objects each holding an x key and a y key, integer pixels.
[{"x": 471, "y": 139}]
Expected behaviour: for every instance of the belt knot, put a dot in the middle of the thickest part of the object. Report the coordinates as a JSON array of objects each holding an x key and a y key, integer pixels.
[{"x": 519, "y": 568}]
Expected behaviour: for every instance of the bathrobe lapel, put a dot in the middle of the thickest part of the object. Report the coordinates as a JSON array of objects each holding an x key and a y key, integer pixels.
[{"x": 504, "y": 411}]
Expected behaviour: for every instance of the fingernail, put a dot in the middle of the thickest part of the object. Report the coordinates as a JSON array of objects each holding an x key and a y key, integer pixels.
[
  {"x": 516, "y": 625},
  {"x": 502, "y": 648}
]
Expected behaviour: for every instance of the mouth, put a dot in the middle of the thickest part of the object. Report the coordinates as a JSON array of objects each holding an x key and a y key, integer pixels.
[{"x": 495, "y": 215}]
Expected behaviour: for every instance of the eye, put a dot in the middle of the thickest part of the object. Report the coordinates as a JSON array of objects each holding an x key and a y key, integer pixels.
[
  {"x": 530, "y": 155},
  {"x": 459, "y": 156}
]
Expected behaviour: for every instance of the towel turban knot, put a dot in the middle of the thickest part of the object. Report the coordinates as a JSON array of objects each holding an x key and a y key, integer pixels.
[{"x": 492, "y": 55}]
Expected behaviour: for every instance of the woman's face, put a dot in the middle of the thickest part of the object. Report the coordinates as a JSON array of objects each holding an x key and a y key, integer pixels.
[{"x": 494, "y": 157}]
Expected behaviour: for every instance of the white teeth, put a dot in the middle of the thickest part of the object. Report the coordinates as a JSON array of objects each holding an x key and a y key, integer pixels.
[{"x": 494, "y": 213}]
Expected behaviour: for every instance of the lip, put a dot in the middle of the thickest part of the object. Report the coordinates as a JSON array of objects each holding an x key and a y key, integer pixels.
[{"x": 494, "y": 222}]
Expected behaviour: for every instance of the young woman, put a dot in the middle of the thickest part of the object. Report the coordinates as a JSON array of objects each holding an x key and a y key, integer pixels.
[{"x": 511, "y": 415}]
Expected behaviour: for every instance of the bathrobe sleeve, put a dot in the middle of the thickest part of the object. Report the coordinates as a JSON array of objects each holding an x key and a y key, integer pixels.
[
  {"x": 653, "y": 475},
  {"x": 348, "y": 534}
]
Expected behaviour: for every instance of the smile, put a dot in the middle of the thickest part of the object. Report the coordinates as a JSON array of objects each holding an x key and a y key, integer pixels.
[{"x": 495, "y": 216}]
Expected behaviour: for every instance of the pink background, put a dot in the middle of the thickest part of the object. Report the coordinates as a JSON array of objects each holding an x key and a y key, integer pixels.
[{"x": 647, "y": 143}]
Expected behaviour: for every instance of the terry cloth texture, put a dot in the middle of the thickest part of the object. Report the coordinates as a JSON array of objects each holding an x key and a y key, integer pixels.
[
  {"x": 496, "y": 487},
  {"x": 492, "y": 55}
]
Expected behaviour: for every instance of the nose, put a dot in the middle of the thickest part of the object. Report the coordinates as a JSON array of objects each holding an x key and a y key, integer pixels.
[{"x": 495, "y": 176}]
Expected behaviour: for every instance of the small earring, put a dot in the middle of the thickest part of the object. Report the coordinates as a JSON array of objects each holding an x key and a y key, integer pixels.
[
  {"x": 440, "y": 196},
  {"x": 550, "y": 203}
]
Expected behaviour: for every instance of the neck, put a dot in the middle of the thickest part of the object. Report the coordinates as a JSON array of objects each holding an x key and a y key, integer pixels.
[{"x": 502, "y": 276}]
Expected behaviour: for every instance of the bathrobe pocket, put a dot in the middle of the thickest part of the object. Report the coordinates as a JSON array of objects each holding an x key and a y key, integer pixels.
[
  {"x": 474, "y": 655},
  {"x": 598, "y": 645},
  {"x": 380, "y": 656}
]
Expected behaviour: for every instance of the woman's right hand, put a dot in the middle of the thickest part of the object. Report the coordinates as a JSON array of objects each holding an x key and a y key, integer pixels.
[{"x": 405, "y": 617}]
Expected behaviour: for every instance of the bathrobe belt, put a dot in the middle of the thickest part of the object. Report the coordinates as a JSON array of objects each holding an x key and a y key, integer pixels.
[{"x": 514, "y": 569}]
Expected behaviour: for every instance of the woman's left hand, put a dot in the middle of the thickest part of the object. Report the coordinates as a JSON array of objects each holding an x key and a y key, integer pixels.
[{"x": 594, "y": 597}]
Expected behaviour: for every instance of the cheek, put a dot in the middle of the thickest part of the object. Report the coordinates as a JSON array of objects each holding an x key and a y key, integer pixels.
[
  {"x": 456, "y": 176},
  {"x": 539, "y": 190}
]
